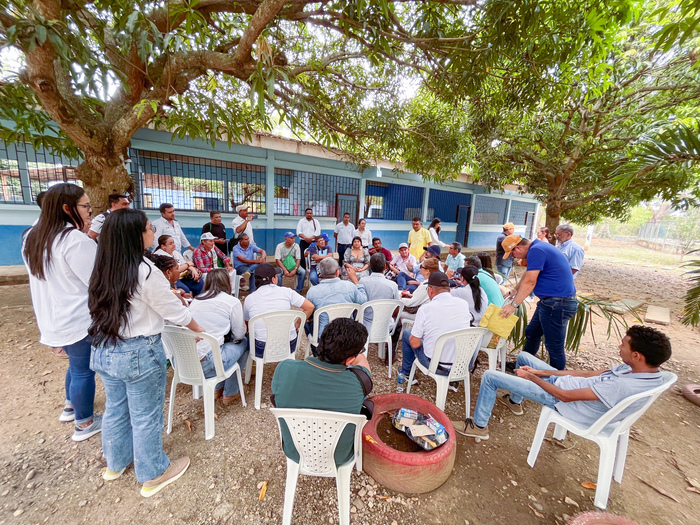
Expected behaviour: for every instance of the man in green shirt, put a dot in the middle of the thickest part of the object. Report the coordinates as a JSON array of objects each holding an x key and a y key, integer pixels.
[{"x": 338, "y": 379}]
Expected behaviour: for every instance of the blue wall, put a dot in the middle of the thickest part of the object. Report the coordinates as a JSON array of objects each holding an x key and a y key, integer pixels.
[
  {"x": 444, "y": 204},
  {"x": 11, "y": 241}
]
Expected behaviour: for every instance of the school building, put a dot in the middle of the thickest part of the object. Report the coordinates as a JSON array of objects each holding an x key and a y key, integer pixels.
[{"x": 286, "y": 177}]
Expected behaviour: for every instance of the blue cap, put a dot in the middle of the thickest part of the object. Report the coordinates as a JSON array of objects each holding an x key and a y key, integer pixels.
[
  {"x": 289, "y": 234},
  {"x": 324, "y": 236}
]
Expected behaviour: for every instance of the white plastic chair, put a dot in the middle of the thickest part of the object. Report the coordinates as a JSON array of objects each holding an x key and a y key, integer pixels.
[
  {"x": 467, "y": 342},
  {"x": 495, "y": 354},
  {"x": 188, "y": 255},
  {"x": 315, "y": 434},
  {"x": 611, "y": 438},
  {"x": 235, "y": 282},
  {"x": 277, "y": 347},
  {"x": 333, "y": 311},
  {"x": 307, "y": 258},
  {"x": 382, "y": 324},
  {"x": 182, "y": 344}
]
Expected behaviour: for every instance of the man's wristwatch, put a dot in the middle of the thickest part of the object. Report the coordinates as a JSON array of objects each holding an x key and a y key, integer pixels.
[{"x": 515, "y": 305}]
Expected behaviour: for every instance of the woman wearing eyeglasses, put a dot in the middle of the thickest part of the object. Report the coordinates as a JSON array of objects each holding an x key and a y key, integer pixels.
[
  {"x": 129, "y": 300},
  {"x": 59, "y": 258}
]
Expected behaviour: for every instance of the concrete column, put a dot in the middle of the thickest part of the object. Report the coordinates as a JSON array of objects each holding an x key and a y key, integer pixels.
[{"x": 426, "y": 200}]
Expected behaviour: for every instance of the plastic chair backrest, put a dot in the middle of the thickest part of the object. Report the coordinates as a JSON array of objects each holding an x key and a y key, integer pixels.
[
  {"x": 182, "y": 343},
  {"x": 278, "y": 324},
  {"x": 467, "y": 341},
  {"x": 334, "y": 311},
  {"x": 316, "y": 433},
  {"x": 621, "y": 426},
  {"x": 382, "y": 313},
  {"x": 188, "y": 255}
]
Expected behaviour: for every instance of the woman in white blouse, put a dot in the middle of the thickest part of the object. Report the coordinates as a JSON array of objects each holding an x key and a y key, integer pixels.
[
  {"x": 59, "y": 258},
  {"x": 363, "y": 233},
  {"x": 472, "y": 293},
  {"x": 129, "y": 299},
  {"x": 434, "y": 230},
  {"x": 413, "y": 301},
  {"x": 190, "y": 282},
  {"x": 221, "y": 314}
]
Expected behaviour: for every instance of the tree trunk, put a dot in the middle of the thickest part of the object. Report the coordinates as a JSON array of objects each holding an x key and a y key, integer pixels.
[
  {"x": 103, "y": 176},
  {"x": 552, "y": 218}
]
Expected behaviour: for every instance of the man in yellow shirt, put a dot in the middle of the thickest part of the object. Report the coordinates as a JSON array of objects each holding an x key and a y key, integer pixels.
[{"x": 418, "y": 238}]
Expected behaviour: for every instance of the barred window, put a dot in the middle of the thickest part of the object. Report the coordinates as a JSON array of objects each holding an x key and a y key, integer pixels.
[
  {"x": 443, "y": 204},
  {"x": 490, "y": 210},
  {"x": 11, "y": 184},
  {"x": 297, "y": 190},
  {"x": 519, "y": 211},
  {"x": 194, "y": 183},
  {"x": 395, "y": 202}
]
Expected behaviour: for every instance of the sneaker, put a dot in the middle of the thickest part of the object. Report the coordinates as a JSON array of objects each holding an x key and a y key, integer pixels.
[
  {"x": 468, "y": 428},
  {"x": 67, "y": 415},
  {"x": 176, "y": 469},
  {"x": 81, "y": 434},
  {"x": 514, "y": 407},
  {"x": 227, "y": 400},
  {"x": 111, "y": 475},
  {"x": 510, "y": 367},
  {"x": 454, "y": 386},
  {"x": 474, "y": 366}
]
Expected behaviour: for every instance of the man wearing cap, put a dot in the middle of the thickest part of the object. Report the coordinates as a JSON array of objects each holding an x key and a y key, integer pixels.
[
  {"x": 549, "y": 276},
  {"x": 308, "y": 229},
  {"x": 271, "y": 298},
  {"x": 343, "y": 233},
  {"x": 404, "y": 263},
  {"x": 288, "y": 259},
  {"x": 573, "y": 251},
  {"x": 318, "y": 251},
  {"x": 504, "y": 265},
  {"x": 206, "y": 254},
  {"x": 244, "y": 258},
  {"x": 241, "y": 224},
  {"x": 332, "y": 290},
  {"x": 418, "y": 238},
  {"x": 442, "y": 314}
]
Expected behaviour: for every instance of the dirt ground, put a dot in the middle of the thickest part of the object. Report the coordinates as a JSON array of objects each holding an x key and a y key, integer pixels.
[{"x": 45, "y": 477}]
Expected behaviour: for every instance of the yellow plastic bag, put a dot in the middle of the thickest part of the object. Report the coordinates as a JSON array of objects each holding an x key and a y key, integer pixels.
[{"x": 497, "y": 324}]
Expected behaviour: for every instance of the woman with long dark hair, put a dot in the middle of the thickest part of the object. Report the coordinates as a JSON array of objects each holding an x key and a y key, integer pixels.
[
  {"x": 190, "y": 277},
  {"x": 434, "y": 230},
  {"x": 221, "y": 314},
  {"x": 472, "y": 292},
  {"x": 129, "y": 298},
  {"x": 59, "y": 258},
  {"x": 485, "y": 259}
]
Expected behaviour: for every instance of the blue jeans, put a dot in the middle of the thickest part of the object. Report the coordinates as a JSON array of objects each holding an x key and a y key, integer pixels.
[
  {"x": 243, "y": 268},
  {"x": 410, "y": 354},
  {"x": 549, "y": 320},
  {"x": 134, "y": 374},
  {"x": 301, "y": 275},
  {"x": 518, "y": 387},
  {"x": 231, "y": 353},
  {"x": 80, "y": 380},
  {"x": 505, "y": 270},
  {"x": 401, "y": 282},
  {"x": 313, "y": 276},
  {"x": 194, "y": 287}
]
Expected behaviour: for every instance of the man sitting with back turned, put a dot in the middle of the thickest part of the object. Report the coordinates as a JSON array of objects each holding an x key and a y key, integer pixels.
[
  {"x": 337, "y": 379},
  {"x": 582, "y": 396}
]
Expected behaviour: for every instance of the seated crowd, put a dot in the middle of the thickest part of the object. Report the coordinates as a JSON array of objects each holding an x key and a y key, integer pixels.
[{"x": 117, "y": 296}]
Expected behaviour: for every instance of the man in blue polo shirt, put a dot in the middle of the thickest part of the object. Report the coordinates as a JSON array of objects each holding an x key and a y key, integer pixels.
[{"x": 549, "y": 276}]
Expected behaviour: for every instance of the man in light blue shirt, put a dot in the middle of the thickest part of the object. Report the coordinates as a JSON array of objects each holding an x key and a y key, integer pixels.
[
  {"x": 244, "y": 258},
  {"x": 455, "y": 259},
  {"x": 573, "y": 252},
  {"x": 331, "y": 290}
]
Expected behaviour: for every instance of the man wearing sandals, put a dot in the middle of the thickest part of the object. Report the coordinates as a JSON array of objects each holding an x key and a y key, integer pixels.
[{"x": 582, "y": 396}]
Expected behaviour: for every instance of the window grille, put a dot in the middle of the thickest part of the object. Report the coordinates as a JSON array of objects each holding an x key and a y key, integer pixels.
[
  {"x": 395, "y": 202},
  {"x": 519, "y": 211},
  {"x": 444, "y": 204},
  {"x": 489, "y": 210},
  {"x": 297, "y": 190}
]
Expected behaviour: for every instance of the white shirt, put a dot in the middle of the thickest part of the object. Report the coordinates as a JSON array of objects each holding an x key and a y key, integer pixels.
[
  {"x": 175, "y": 255},
  {"x": 441, "y": 315},
  {"x": 98, "y": 221},
  {"x": 400, "y": 263},
  {"x": 465, "y": 292},
  {"x": 163, "y": 227},
  {"x": 60, "y": 301},
  {"x": 218, "y": 316},
  {"x": 270, "y": 298},
  {"x": 345, "y": 233},
  {"x": 308, "y": 228},
  {"x": 366, "y": 237},
  {"x": 237, "y": 221},
  {"x": 435, "y": 238},
  {"x": 152, "y": 303}
]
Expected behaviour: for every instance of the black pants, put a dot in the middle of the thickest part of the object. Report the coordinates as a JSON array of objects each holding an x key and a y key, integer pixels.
[
  {"x": 303, "y": 245},
  {"x": 341, "y": 248}
]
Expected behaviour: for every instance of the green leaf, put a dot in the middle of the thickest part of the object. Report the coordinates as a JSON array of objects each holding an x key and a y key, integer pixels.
[{"x": 40, "y": 34}]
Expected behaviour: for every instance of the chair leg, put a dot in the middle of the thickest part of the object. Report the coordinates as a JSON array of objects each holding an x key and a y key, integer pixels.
[
  {"x": 605, "y": 471},
  {"x": 173, "y": 386},
  {"x": 258, "y": 383},
  {"x": 290, "y": 491},
  {"x": 209, "y": 410},
  {"x": 380, "y": 350},
  {"x": 621, "y": 456},
  {"x": 410, "y": 377},
  {"x": 502, "y": 355},
  {"x": 467, "y": 397},
  {"x": 196, "y": 392},
  {"x": 388, "y": 349},
  {"x": 441, "y": 393},
  {"x": 342, "y": 482},
  {"x": 239, "y": 374},
  {"x": 559, "y": 432},
  {"x": 542, "y": 425},
  {"x": 492, "y": 358},
  {"x": 248, "y": 369}
]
